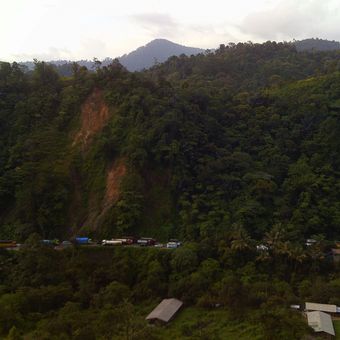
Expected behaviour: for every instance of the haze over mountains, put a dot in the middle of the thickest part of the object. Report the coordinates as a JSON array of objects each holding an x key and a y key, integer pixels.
[
  {"x": 159, "y": 50},
  {"x": 156, "y": 51},
  {"x": 317, "y": 45}
]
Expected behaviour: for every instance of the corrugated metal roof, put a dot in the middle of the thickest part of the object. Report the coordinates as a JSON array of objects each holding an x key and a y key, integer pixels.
[
  {"x": 165, "y": 310},
  {"x": 310, "y": 306},
  {"x": 320, "y": 322}
]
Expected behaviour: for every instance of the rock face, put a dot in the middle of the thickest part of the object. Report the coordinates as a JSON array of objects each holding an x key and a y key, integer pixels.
[{"x": 156, "y": 51}]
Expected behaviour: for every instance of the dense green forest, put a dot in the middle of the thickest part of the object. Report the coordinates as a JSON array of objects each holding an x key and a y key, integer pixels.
[
  {"x": 246, "y": 135},
  {"x": 230, "y": 291},
  {"x": 223, "y": 150}
]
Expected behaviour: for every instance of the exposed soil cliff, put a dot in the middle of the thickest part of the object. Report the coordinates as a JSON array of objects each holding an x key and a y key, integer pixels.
[
  {"x": 114, "y": 178},
  {"x": 94, "y": 116},
  {"x": 97, "y": 212}
]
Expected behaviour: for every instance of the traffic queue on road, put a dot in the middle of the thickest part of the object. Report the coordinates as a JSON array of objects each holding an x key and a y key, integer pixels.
[{"x": 86, "y": 241}]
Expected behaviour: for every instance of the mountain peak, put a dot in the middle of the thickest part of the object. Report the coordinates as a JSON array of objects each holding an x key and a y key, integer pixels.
[
  {"x": 160, "y": 40},
  {"x": 157, "y": 50}
]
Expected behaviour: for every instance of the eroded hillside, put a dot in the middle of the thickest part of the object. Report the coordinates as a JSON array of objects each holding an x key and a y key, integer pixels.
[
  {"x": 244, "y": 136},
  {"x": 94, "y": 116}
]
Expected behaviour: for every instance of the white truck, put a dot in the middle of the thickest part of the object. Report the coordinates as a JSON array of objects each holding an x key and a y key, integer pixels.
[
  {"x": 112, "y": 242},
  {"x": 173, "y": 244}
]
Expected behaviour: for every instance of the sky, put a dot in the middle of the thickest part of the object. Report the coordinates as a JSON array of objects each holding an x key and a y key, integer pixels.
[{"x": 83, "y": 29}]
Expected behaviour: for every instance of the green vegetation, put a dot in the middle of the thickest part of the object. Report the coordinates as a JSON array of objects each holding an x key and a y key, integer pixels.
[
  {"x": 103, "y": 293},
  {"x": 336, "y": 324},
  {"x": 225, "y": 151},
  {"x": 246, "y": 135}
]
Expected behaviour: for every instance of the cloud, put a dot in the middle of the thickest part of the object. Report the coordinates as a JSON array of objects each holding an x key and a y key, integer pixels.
[
  {"x": 205, "y": 35},
  {"x": 95, "y": 46},
  {"x": 294, "y": 19},
  {"x": 157, "y": 24},
  {"x": 51, "y": 53}
]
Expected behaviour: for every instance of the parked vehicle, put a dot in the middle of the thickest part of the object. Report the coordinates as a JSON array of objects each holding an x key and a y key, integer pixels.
[
  {"x": 82, "y": 240},
  {"x": 50, "y": 243},
  {"x": 66, "y": 244},
  {"x": 310, "y": 242},
  {"x": 146, "y": 241},
  {"x": 8, "y": 244},
  {"x": 173, "y": 243},
  {"x": 128, "y": 240},
  {"x": 116, "y": 242}
]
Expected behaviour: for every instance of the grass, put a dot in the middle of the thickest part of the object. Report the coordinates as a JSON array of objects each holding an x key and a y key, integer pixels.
[
  {"x": 336, "y": 324},
  {"x": 197, "y": 323}
]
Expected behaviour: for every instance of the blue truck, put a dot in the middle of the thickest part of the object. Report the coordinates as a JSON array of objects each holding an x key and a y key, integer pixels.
[{"x": 82, "y": 240}]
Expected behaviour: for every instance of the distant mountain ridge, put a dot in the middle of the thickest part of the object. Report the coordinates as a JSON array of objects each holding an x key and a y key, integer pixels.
[
  {"x": 316, "y": 44},
  {"x": 156, "y": 51},
  {"x": 159, "y": 50}
]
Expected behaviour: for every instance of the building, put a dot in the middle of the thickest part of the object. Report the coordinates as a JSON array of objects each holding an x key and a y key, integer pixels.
[
  {"x": 332, "y": 309},
  {"x": 310, "y": 242},
  {"x": 321, "y": 322},
  {"x": 262, "y": 247},
  {"x": 165, "y": 311}
]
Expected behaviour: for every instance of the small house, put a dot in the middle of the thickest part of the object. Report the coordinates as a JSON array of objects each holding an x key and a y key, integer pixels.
[
  {"x": 310, "y": 242},
  {"x": 321, "y": 323},
  {"x": 262, "y": 247},
  {"x": 165, "y": 311},
  {"x": 311, "y": 307}
]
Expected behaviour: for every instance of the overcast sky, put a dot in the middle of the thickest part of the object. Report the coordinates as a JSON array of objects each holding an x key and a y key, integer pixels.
[{"x": 82, "y": 29}]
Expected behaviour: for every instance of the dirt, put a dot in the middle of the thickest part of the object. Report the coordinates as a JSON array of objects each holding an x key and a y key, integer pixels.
[
  {"x": 114, "y": 178},
  {"x": 94, "y": 116}
]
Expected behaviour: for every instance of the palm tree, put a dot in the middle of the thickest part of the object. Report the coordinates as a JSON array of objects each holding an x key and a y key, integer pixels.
[
  {"x": 316, "y": 253},
  {"x": 298, "y": 256},
  {"x": 241, "y": 239},
  {"x": 275, "y": 237}
]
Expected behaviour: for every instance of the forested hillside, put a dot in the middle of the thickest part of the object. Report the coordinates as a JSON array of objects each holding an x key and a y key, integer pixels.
[
  {"x": 243, "y": 136},
  {"x": 316, "y": 44},
  {"x": 235, "y": 152}
]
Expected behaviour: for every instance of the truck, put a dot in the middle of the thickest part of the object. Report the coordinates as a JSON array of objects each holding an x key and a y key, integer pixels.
[
  {"x": 8, "y": 244},
  {"x": 146, "y": 241},
  {"x": 82, "y": 240},
  {"x": 173, "y": 243},
  {"x": 115, "y": 242},
  {"x": 128, "y": 240},
  {"x": 50, "y": 243}
]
